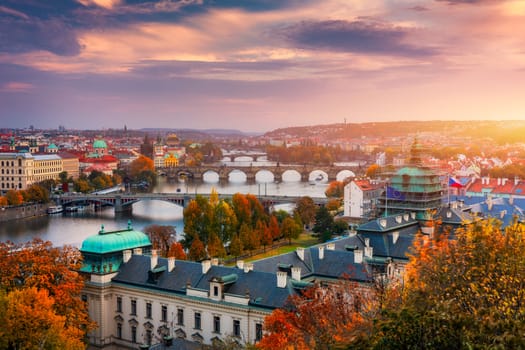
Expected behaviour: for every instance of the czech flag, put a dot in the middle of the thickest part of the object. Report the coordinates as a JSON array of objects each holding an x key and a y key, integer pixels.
[{"x": 452, "y": 182}]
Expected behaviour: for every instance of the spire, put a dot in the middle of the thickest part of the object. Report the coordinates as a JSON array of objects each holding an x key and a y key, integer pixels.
[{"x": 415, "y": 153}]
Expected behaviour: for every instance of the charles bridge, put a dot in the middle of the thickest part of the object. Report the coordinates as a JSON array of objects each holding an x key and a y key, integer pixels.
[{"x": 197, "y": 172}]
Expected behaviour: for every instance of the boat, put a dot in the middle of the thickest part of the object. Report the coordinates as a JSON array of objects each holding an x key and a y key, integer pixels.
[
  {"x": 55, "y": 209},
  {"x": 72, "y": 209}
]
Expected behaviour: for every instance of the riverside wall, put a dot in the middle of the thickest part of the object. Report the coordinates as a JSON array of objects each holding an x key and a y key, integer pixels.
[{"x": 22, "y": 211}]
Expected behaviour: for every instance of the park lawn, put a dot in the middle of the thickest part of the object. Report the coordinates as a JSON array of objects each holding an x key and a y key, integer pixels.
[{"x": 305, "y": 239}]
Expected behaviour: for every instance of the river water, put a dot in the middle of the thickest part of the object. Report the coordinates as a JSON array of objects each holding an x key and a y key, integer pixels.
[{"x": 73, "y": 228}]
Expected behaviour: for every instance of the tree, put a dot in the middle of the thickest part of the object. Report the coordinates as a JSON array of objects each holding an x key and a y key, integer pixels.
[
  {"x": 465, "y": 292},
  {"x": 224, "y": 221},
  {"x": 37, "y": 193},
  {"x": 236, "y": 248},
  {"x": 29, "y": 321},
  {"x": 37, "y": 264},
  {"x": 306, "y": 208},
  {"x": 140, "y": 165},
  {"x": 161, "y": 237},
  {"x": 373, "y": 171},
  {"x": 323, "y": 224},
  {"x": 340, "y": 226},
  {"x": 177, "y": 251},
  {"x": 198, "y": 217},
  {"x": 264, "y": 234},
  {"x": 335, "y": 190},
  {"x": 289, "y": 229},
  {"x": 275, "y": 230},
  {"x": 215, "y": 246},
  {"x": 14, "y": 197},
  {"x": 241, "y": 207},
  {"x": 321, "y": 317},
  {"x": 197, "y": 250}
]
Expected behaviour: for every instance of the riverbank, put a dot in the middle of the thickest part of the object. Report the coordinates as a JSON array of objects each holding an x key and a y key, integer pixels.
[{"x": 22, "y": 211}]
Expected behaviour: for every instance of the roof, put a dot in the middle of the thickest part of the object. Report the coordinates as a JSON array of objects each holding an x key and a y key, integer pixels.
[
  {"x": 46, "y": 157},
  {"x": 112, "y": 241},
  {"x": 260, "y": 286},
  {"x": 100, "y": 144},
  {"x": 52, "y": 146}
]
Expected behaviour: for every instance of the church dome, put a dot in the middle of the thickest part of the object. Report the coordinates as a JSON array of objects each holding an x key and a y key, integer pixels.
[
  {"x": 114, "y": 241},
  {"x": 100, "y": 144}
]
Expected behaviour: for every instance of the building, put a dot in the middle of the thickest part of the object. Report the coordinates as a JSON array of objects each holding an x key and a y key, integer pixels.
[
  {"x": 139, "y": 298},
  {"x": 70, "y": 164},
  {"x": 414, "y": 188},
  {"x": 20, "y": 170},
  {"x": 361, "y": 197}
]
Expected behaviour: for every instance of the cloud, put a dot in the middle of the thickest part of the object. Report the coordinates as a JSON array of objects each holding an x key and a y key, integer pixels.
[
  {"x": 13, "y": 12},
  {"x": 419, "y": 8},
  {"x": 360, "y": 36},
  {"x": 469, "y": 2},
  {"x": 15, "y": 86},
  {"x": 25, "y": 35}
]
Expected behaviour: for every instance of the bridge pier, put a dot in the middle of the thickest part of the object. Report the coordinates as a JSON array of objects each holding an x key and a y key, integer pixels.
[{"x": 120, "y": 207}]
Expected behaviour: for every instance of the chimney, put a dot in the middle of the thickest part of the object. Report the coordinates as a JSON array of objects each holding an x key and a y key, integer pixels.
[
  {"x": 369, "y": 251},
  {"x": 395, "y": 236},
  {"x": 367, "y": 242},
  {"x": 214, "y": 262},
  {"x": 240, "y": 264},
  {"x": 499, "y": 181},
  {"x": 171, "y": 263},
  {"x": 516, "y": 180},
  {"x": 154, "y": 259},
  {"x": 248, "y": 267},
  {"x": 321, "y": 252},
  {"x": 137, "y": 251},
  {"x": 358, "y": 256},
  {"x": 413, "y": 215},
  {"x": 296, "y": 273},
  {"x": 126, "y": 255},
  {"x": 281, "y": 279},
  {"x": 382, "y": 222},
  {"x": 399, "y": 219},
  {"x": 206, "y": 264},
  {"x": 330, "y": 246},
  {"x": 300, "y": 253}
]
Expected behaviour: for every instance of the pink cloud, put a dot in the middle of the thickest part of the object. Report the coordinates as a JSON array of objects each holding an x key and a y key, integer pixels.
[{"x": 15, "y": 86}]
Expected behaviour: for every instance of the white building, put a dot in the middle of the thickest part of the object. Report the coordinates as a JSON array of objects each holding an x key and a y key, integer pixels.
[{"x": 360, "y": 198}]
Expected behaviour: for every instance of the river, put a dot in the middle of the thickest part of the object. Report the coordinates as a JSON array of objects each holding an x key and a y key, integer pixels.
[{"x": 73, "y": 228}]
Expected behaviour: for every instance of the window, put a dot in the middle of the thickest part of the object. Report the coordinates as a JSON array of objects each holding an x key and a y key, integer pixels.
[
  {"x": 119, "y": 330},
  {"x": 84, "y": 298},
  {"x": 180, "y": 316},
  {"x": 148, "y": 336},
  {"x": 215, "y": 290},
  {"x": 133, "y": 334},
  {"x": 119, "y": 304},
  {"x": 197, "y": 320},
  {"x": 148, "y": 310},
  {"x": 133, "y": 307},
  {"x": 258, "y": 331},
  {"x": 236, "y": 328},
  {"x": 216, "y": 324},
  {"x": 164, "y": 313}
]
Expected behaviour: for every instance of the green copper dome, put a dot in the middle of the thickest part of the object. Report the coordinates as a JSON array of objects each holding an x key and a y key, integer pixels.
[
  {"x": 100, "y": 144},
  {"x": 107, "y": 242},
  {"x": 52, "y": 146}
]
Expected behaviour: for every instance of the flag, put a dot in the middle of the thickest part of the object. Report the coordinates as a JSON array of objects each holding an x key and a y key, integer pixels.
[
  {"x": 452, "y": 182},
  {"x": 392, "y": 193}
]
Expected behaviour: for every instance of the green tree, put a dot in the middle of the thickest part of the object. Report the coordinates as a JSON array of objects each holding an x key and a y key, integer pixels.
[
  {"x": 323, "y": 224},
  {"x": 224, "y": 221}
]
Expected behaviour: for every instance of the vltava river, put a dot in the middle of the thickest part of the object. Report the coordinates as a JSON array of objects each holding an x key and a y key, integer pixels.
[{"x": 73, "y": 228}]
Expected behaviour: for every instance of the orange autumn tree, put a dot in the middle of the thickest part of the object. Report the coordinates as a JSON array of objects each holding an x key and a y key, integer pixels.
[
  {"x": 39, "y": 265},
  {"x": 463, "y": 292},
  {"x": 320, "y": 318}
]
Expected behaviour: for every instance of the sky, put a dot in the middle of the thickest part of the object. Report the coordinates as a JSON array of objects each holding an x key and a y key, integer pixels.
[{"x": 258, "y": 65}]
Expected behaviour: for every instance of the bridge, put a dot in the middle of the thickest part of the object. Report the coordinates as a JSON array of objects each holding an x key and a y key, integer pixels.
[
  {"x": 329, "y": 173},
  {"x": 124, "y": 201},
  {"x": 254, "y": 156}
]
